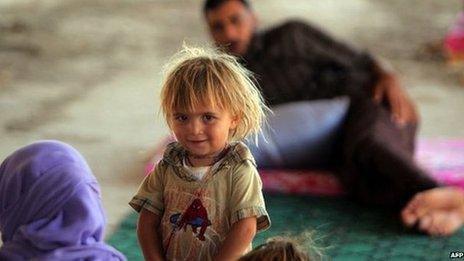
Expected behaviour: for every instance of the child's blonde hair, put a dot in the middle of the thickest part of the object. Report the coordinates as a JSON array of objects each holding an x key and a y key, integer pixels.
[
  {"x": 300, "y": 247},
  {"x": 277, "y": 249},
  {"x": 198, "y": 76}
]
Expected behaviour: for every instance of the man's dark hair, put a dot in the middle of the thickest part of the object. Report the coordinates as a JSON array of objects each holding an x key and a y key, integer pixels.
[{"x": 213, "y": 4}]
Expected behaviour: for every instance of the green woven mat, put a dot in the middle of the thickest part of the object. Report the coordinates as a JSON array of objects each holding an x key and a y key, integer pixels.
[{"x": 343, "y": 229}]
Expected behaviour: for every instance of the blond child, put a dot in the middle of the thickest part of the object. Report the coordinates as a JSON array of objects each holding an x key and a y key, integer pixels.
[{"x": 203, "y": 201}]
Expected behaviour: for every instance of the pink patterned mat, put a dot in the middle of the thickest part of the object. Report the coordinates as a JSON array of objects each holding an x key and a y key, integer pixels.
[{"x": 443, "y": 158}]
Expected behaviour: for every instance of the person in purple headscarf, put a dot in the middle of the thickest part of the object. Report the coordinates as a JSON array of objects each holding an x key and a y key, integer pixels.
[{"x": 50, "y": 206}]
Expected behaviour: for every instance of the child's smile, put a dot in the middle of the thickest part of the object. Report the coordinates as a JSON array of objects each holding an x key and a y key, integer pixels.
[{"x": 197, "y": 144}]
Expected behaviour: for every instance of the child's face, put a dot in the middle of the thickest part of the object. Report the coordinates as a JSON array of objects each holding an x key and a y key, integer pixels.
[{"x": 204, "y": 131}]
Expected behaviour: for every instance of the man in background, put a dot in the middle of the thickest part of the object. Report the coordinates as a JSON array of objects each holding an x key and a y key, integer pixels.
[{"x": 296, "y": 62}]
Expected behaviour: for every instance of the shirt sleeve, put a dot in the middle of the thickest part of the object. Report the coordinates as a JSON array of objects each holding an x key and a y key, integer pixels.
[
  {"x": 247, "y": 198},
  {"x": 150, "y": 192}
]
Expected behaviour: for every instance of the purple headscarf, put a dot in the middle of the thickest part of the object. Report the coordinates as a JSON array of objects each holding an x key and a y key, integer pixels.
[{"x": 50, "y": 206}]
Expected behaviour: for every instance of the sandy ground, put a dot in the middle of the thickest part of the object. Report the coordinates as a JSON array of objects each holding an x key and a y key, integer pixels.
[{"x": 88, "y": 72}]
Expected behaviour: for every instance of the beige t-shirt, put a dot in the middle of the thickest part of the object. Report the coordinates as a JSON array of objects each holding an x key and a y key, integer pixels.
[{"x": 196, "y": 215}]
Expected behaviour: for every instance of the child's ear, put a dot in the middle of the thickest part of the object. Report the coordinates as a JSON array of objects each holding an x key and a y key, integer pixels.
[{"x": 235, "y": 122}]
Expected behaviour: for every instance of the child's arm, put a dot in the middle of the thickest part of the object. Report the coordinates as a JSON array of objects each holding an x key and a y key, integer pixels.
[
  {"x": 238, "y": 239},
  {"x": 149, "y": 238}
]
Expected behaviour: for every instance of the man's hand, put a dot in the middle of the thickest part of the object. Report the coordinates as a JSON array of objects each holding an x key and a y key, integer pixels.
[{"x": 402, "y": 108}]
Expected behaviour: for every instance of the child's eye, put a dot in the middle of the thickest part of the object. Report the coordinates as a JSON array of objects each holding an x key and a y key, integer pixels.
[
  {"x": 208, "y": 118},
  {"x": 181, "y": 118}
]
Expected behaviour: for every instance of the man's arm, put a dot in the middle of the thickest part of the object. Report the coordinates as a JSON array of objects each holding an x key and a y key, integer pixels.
[
  {"x": 149, "y": 238},
  {"x": 387, "y": 88},
  {"x": 238, "y": 239}
]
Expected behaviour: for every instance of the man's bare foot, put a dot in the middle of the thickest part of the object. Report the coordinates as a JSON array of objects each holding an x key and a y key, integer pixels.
[
  {"x": 441, "y": 223},
  {"x": 438, "y": 211}
]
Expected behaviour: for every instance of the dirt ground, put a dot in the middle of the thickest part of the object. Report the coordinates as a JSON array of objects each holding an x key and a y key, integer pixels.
[{"x": 88, "y": 72}]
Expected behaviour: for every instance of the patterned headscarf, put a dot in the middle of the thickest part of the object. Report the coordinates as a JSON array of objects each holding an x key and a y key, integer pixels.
[{"x": 50, "y": 206}]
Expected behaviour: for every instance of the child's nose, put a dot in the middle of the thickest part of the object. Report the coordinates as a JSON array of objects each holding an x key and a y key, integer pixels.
[{"x": 196, "y": 127}]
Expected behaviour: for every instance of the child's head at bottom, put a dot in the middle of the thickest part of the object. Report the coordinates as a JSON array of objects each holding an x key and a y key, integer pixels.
[
  {"x": 208, "y": 100},
  {"x": 277, "y": 249},
  {"x": 297, "y": 247}
]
